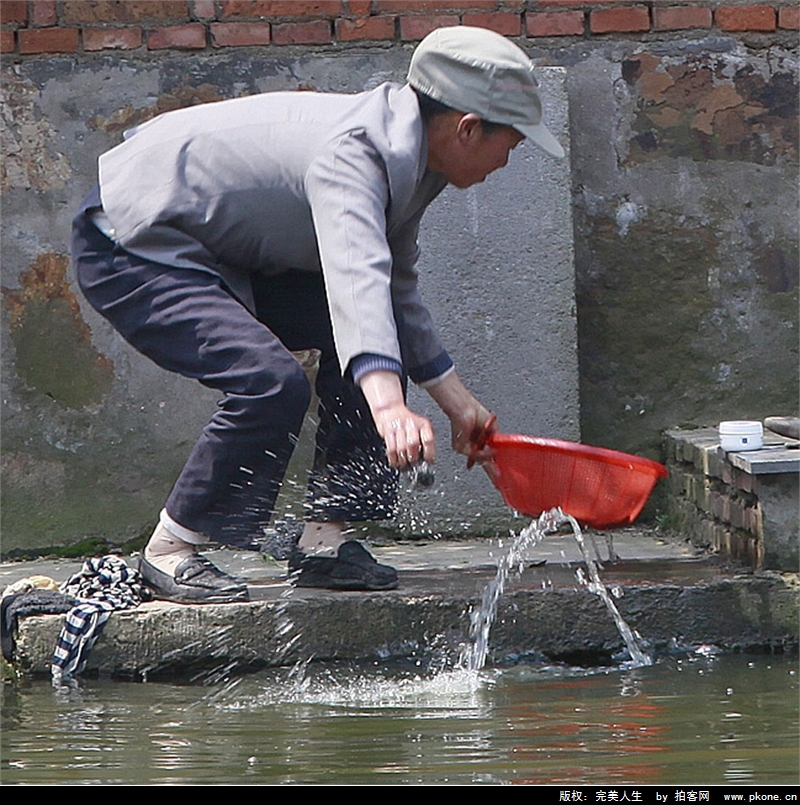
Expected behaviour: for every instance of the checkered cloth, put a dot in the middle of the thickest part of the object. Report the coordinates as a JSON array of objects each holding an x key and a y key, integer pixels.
[{"x": 102, "y": 586}]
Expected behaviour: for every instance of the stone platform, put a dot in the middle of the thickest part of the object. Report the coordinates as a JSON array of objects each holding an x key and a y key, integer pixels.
[
  {"x": 745, "y": 505},
  {"x": 671, "y": 593}
]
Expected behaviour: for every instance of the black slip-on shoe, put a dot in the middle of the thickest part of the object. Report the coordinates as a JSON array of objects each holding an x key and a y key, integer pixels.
[
  {"x": 196, "y": 581},
  {"x": 353, "y": 568}
]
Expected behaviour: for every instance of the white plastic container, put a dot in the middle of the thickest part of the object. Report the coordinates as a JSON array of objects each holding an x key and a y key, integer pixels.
[{"x": 741, "y": 434}]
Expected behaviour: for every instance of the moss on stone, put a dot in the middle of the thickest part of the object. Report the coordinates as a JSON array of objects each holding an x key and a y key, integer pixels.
[
  {"x": 660, "y": 344},
  {"x": 55, "y": 359}
]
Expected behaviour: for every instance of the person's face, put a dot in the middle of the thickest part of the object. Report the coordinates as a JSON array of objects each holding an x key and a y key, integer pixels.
[{"x": 471, "y": 153}]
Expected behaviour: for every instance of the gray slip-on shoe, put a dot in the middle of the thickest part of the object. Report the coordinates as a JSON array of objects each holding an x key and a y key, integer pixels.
[{"x": 196, "y": 581}]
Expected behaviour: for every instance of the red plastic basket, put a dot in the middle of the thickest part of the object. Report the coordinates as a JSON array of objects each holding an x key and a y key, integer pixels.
[{"x": 598, "y": 487}]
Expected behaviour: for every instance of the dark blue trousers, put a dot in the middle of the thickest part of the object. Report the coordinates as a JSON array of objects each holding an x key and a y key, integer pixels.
[{"x": 188, "y": 322}]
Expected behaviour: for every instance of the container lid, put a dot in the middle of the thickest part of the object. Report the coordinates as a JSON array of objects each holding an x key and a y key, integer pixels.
[{"x": 741, "y": 426}]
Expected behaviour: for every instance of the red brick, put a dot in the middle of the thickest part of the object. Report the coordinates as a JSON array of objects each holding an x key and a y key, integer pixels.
[
  {"x": 677, "y": 18},
  {"x": 243, "y": 8},
  {"x": 619, "y": 20},
  {"x": 555, "y": 23},
  {"x": 746, "y": 18},
  {"x": 128, "y": 38},
  {"x": 427, "y": 6},
  {"x": 359, "y": 7},
  {"x": 281, "y": 8},
  {"x": 506, "y": 23},
  {"x": 181, "y": 37},
  {"x": 7, "y": 43},
  {"x": 15, "y": 11},
  {"x": 44, "y": 13},
  {"x": 568, "y": 3},
  {"x": 94, "y": 11},
  {"x": 365, "y": 28},
  {"x": 48, "y": 40},
  {"x": 302, "y": 33},
  {"x": 239, "y": 34},
  {"x": 420, "y": 27},
  {"x": 789, "y": 17},
  {"x": 204, "y": 9}
]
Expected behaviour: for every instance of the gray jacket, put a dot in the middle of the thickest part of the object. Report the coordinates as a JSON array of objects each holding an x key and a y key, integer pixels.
[{"x": 291, "y": 180}]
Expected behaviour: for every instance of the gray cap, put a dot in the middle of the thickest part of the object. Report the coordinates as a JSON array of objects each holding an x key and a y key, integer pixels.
[{"x": 480, "y": 71}]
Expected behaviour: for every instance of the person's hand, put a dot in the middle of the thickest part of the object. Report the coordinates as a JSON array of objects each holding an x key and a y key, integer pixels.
[
  {"x": 470, "y": 427},
  {"x": 408, "y": 437},
  {"x": 479, "y": 451},
  {"x": 469, "y": 420}
]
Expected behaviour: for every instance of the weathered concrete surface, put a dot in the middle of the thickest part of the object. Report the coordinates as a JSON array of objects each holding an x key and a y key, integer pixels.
[
  {"x": 685, "y": 160},
  {"x": 683, "y": 168},
  {"x": 94, "y": 434},
  {"x": 669, "y": 594}
]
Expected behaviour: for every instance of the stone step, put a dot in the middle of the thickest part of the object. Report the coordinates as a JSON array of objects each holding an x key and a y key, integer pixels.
[{"x": 670, "y": 596}]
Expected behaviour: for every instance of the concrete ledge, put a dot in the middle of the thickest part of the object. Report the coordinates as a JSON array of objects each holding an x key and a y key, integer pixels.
[
  {"x": 773, "y": 459},
  {"x": 544, "y": 612}
]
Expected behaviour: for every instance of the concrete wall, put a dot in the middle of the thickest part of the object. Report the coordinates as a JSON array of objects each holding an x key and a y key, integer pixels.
[
  {"x": 94, "y": 434},
  {"x": 685, "y": 192},
  {"x": 683, "y": 180}
]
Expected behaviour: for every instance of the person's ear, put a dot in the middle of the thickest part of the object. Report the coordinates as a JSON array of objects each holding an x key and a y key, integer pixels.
[{"x": 469, "y": 128}]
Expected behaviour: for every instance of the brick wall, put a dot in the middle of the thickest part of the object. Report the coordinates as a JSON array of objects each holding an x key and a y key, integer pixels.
[
  {"x": 747, "y": 514},
  {"x": 33, "y": 27}
]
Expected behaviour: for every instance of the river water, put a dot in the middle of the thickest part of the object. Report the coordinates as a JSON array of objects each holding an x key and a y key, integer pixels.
[{"x": 690, "y": 718}]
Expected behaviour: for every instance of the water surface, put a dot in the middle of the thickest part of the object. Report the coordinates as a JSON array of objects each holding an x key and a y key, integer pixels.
[{"x": 688, "y": 719}]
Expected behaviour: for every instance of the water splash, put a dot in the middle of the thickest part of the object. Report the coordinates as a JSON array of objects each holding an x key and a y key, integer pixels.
[
  {"x": 596, "y": 586},
  {"x": 368, "y": 687},
  {"x": 474, "y": 655}
]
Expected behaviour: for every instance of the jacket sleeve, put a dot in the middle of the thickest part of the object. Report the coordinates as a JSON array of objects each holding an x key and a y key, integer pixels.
[
  {"x": 423, "y": 354},
  {"x": 370, "y": 284},
  {"x": 347, "y": 190}
]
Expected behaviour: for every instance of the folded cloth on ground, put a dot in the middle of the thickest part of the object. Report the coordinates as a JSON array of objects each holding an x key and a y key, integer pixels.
[
  {"x": 30, "y": 583},
  {"x": 31, "y": 601},
  {"x": 103, "y": 586}
]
